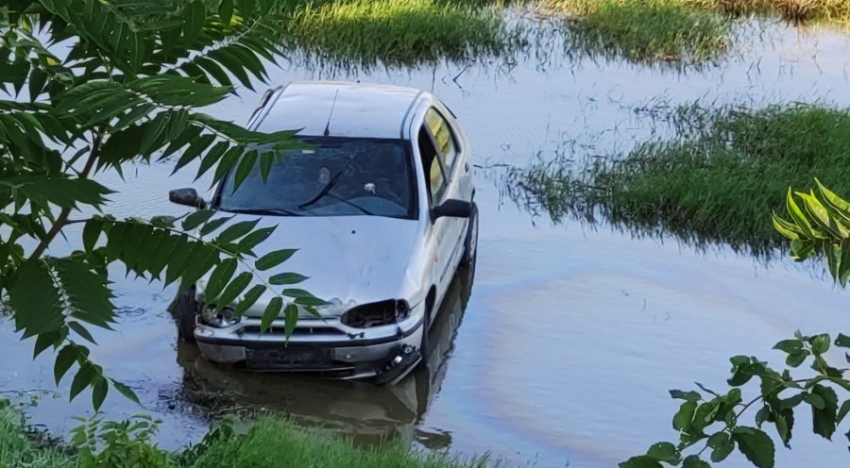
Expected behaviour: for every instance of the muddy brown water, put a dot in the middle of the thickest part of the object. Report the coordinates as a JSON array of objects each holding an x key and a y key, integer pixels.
[{"x": 562, "y": 349}]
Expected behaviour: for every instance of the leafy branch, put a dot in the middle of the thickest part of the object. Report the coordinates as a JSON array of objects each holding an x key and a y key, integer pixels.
[{"x": 821, "y": 228}]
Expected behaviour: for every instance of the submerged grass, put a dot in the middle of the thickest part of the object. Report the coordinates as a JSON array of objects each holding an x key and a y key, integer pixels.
[
  {"x": 645, "y": 31},
  {"x": 270, "y": 443},
  {"x": 396, "y": 32},
  {"x": 719, "y": 183}
]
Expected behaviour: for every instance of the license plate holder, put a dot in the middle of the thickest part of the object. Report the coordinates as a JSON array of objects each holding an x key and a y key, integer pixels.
[{"x": 288, "y": 358}]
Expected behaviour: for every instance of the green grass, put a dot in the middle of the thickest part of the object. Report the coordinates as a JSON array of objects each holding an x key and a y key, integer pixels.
[
  {"x": 645, "y": 31},
  {"x": 17, "y": 449},
  {"x": 274, "y": 443},
  {"x": 270, "y": 443},
  {"x": 396, "y": 32},
  {"x": 719, "y": 183},
  {"x": 794, "y": 11}
]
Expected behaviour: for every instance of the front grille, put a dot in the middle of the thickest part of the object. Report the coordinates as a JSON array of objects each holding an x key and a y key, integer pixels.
[{"x": 299, "y": 331}]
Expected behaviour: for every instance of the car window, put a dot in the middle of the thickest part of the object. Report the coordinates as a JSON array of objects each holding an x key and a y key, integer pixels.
[
  {"x": 434, "y": 177},
  {"x": 330, "y": 177},
  {"x": 443, "y": 136}
]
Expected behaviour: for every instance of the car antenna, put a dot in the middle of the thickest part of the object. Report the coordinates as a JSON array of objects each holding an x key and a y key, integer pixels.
[{"x": 328, "y": 125}]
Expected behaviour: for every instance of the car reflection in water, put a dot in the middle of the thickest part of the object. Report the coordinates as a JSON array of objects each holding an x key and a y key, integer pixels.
[{"x": 368, "y": 413}]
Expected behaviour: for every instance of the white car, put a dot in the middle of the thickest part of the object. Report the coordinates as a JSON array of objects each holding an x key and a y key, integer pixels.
[{"x": 381, "y": 209}]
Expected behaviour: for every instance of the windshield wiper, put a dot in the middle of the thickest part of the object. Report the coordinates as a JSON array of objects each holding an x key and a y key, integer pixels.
[
  {"x": 265, "y": 211},
  {"x": 322, "y": 193}
]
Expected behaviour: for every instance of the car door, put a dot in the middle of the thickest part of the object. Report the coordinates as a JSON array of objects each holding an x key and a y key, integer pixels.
[
  {"x": 440, "y": 229},
  {"x": 452, "y": 230},
  {"x": 456, "y": 171}
]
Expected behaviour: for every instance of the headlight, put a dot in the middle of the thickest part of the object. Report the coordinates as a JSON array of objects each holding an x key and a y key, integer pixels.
[
  {"x": 376, "y": 314},
  {"x": 221, "y": 319}
]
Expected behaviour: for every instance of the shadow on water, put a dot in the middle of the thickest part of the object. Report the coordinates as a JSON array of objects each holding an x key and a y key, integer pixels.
[{"x": 359, "y": 409}]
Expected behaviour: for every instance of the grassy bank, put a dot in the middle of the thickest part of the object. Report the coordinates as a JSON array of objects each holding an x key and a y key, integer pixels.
[
  {"x": 719, "y": 183},
  {"x": 396, "y": 32},
  {"x": 270, "y": 443}
]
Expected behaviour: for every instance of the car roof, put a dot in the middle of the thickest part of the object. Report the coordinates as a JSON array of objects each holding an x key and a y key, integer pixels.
[{"x": 356, "y": 110}]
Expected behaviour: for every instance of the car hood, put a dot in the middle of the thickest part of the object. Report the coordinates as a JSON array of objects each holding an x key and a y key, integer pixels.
[{"x": 349, "y": 260}]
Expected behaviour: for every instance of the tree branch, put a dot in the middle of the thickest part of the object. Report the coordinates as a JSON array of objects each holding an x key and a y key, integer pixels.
[{"x": 62, "y": 219}]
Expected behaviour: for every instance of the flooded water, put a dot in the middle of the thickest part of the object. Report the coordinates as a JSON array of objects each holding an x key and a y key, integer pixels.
[{"x": 561, "y": 350}]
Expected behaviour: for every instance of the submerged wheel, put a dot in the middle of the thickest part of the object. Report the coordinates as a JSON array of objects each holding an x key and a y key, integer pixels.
[
  {"x": 186, "y": 312},
  {"x": 470, "y": 244}
]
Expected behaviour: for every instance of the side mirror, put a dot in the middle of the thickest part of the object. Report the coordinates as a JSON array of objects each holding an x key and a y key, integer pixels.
[
  {"x": 452, "y": 208},
  {"x": 188, "y": 197}
]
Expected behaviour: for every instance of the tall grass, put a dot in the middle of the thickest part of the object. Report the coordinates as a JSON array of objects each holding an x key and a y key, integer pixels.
[
  {"x": 396, "y": 32},
  {"x": 645, "y": 31},
  {"x": 795, "y": 11},
  {"x": 17, "y": 449},
  {"x": 719, "y": 184},
  {"x": 270, "y": 443}
]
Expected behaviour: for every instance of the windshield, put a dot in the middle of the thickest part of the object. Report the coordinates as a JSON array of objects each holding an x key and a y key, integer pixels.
[{"x": 334, "y": 177}]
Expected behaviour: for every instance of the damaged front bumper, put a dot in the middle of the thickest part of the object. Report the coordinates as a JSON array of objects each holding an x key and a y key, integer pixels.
[{"x": 323, "y": 346}]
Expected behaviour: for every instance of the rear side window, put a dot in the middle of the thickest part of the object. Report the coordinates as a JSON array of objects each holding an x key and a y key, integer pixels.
[
  {"x": 442, "y": 133},
  {"x": 433, "y": 169}
]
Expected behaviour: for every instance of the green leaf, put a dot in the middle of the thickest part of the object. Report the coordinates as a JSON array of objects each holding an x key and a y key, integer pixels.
[
  {"x": 303, "y": 297},
  {"x": 287, "y": 278},
  {"x": 91, "y": 232},
  {"x": 246, "y": 165},
  {"x": 99, "y": 391},
  {"x": 687, "y": 396},
  {"x": 196, "y": 219},
  {"x": 236, "y": 231},
  {"x": 66, "y": 357},
  {"x": 44, "y": 341},
  {"x": 290, "y": 319},
  {"x": 789, "y": 346},
  {"x": 271, "y": 313},
  {"x": 219, "y": 279},
  {"x": 87, "y": 293},
  {"x": 820, "y": 343},
  {"x": 682, "y": 419},
  {"x": 815, "y": 400},
  {"x": 797, "y": 216},
  {"x": 842, "y": 341},
  {"x": 254, "y": 239},
  {"x": 36, "y": 301},
  {"x": 722, "y": 448},
  {"x": 693, "y": 461},
  {"x": 824, "y": 419},
  {"x": 273, "y": 259},
  {"x": 845, "y": 407},
  {"x": 234, "y": 289},
  {"x": 794, "y": 360},
  {"x": 249, "y": 299},
  {"x": 225, "y": 11},
  {"x": 643, "y": 461},
  {"x": 126, "y": 391},
  {"x": 762, "y": 415},
  {"x": 210, "y": 226},
  {"x": 784, "y": 421},
  {"x": 755, "y": 445},
  {"x": 194, "y": 15},
  {"x": 706, "y": 390},
  {"x": 664, "y": 451},
  {"x": 81, "y": 330},
  {"x": 84, "y": 378}
]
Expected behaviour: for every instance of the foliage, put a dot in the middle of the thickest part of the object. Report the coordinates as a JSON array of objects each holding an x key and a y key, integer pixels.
[
  {"x": 718, "y": 182},
  {"x": 713, "y": 420},
  {"x": 269, "y": 443},
  {"x": 126, "y": 443},
  {"x": 127, "y": 88}
]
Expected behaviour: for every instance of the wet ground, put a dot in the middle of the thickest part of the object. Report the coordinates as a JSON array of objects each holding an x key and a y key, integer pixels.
[{"x": 565, "y": 350}]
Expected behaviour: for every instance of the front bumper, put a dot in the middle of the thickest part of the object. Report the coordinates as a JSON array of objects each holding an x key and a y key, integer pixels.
[{"x": 317, "y": 345}]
